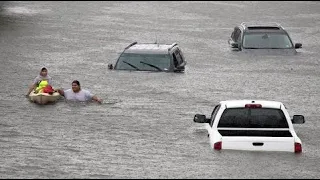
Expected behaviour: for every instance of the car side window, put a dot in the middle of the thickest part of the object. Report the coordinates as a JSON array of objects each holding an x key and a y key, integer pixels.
[
  {"x": 175, "y": 61},
  {"x": 232, "y": 34},
  {"x": 177, "y": 58},
  {"x": 237, "y": 33},
  {"x": 181, "y": 55},
  {"x": 214, "y": 113}
]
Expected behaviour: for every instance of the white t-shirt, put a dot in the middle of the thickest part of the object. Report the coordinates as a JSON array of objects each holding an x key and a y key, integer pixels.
[{"x": 82, "y": 95}]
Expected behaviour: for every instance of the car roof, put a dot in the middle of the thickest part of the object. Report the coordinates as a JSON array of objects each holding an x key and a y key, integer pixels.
[
  {"x": 150, "y": 48},
  {"x": 258, "y": 23},
  {"x": 262, "y": 26},
  {"x": 242, "y": 103}
]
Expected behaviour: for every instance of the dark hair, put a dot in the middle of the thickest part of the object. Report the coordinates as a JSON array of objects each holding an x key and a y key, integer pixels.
[
  {"x": 76, "y": 81},
  {"x": 44, "y": 69}
]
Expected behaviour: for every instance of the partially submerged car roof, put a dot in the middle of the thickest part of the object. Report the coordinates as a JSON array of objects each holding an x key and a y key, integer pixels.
[
  {"x": 261, "y": 24},
  {"x": 149, "y": 48},
  {"x": 242, "y": 103},
  {"x": 267, "y": 26}
]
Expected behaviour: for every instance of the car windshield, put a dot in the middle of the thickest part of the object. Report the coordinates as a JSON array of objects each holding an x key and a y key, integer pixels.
[
  {"x": 143, "y": 62},
  {"x": 253, "y": 118},
  {"x": 266, "y": 41}
]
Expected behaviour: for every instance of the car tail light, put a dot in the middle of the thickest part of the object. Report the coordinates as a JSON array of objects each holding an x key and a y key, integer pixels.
[
  {"x": 217, "y": 145},
  {"x": 253, "y": 106},
  {"x": 297, "y": 148}
]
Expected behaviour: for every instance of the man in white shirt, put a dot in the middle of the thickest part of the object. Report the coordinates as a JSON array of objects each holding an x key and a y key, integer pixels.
[{"x": 78, "y": 94}]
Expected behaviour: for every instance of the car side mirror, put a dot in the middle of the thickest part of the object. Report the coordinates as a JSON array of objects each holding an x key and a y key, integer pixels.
[
  {"x": 180, "y": 67},
  {"x": 200, "y": 118},
  {"x": 298, "y": 45},
  {"x": 234, "y": 45},
  {"x": 110, "y": 66},
  {"x": 298, "y": 119}
]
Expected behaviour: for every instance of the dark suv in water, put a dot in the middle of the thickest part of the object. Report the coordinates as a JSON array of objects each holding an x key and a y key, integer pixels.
[
  {"x": 272, "y": 37},
  {"x": 151, "y": 57}
]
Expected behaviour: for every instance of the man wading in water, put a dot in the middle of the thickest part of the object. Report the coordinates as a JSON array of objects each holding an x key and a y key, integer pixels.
[{"x": 78, "y": 94}]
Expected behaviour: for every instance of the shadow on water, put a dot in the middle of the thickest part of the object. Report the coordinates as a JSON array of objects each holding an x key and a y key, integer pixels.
[
  {"x": 5, "y": 19},
  {"x": 2, "y": 6},
  {"x": 8, "y": 19}
]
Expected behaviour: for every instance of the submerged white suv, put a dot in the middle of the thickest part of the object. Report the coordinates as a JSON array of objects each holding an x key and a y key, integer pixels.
[
  {"x": 151, "y": 57},
  {"x": 254, "y": 125}
]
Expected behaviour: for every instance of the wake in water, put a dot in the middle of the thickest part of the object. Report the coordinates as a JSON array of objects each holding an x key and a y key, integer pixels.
[
  {"x": 85, "y": 103},
  {"x": 11, "y": 9}
]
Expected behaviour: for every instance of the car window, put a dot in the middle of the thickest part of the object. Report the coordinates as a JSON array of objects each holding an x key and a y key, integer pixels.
[
  {"x": 253, "y": 118},
  {"x": 266, "y": 41},
  {"x": 131, "y": 61},
  {"x": 237, "y": 34},
  {"x": 232, "y": 35},
  {"x": 177, "y": 57},
  {"x": 181, "y": 55},
  {"x": 214, "y": 114},
  {"x": 175, "y": 60}
]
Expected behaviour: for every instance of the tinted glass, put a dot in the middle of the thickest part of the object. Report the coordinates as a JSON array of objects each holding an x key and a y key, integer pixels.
[
  {"x": 179, "y": 58},
  {"x": 253, "y": 118},
  {"x": 161, "y": 61},
  {"x": 266, "y": 41},
  {"x": 214, "y": 114},
  {"x": 237, "y": 35}
]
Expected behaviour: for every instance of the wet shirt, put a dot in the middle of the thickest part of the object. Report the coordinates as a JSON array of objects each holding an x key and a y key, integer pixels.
[
  {"x": 82, "y": 95},
  {"x": 40, "y": 78}
]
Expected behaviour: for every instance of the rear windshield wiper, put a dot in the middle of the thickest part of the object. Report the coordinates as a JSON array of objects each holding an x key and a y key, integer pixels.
[
  {"x": 151, "y": 65},
  {"x": 131, "y": 65}
]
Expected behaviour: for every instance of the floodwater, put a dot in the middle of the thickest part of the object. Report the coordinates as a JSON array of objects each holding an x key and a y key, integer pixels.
[{"x": 145, "y": 128}]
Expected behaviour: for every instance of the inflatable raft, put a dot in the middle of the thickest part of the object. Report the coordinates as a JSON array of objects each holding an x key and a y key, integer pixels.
[{"x": 44, "y": 98}]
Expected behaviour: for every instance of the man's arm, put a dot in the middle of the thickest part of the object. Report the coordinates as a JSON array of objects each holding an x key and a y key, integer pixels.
[
  {"x": 95, "y": 98},
  {"x": 89, "y": 96},
  {"x": 60, "y": 91}
]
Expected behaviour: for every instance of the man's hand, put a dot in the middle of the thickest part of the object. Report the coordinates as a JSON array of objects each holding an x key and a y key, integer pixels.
[{"x": 99, "y": 101}]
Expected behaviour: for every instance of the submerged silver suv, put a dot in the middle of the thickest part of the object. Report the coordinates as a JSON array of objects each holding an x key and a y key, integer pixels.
[
  {"x": 151, "y": 57},
  {"x": 269, "y": 36}
]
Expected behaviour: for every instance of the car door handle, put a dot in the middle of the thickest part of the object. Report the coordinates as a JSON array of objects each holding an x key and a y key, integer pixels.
[{"x": 257, "y": 144}]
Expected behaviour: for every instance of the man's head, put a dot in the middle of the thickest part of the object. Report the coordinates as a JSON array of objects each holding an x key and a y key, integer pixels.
[
  {"x": 44, "y": 72},
  {"x": 75, "y": 86}
]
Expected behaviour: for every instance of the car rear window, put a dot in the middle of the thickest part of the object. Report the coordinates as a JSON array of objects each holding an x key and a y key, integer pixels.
[
  {"x": 253, "y": 118},
  {"x": 264, "y": 40}
]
